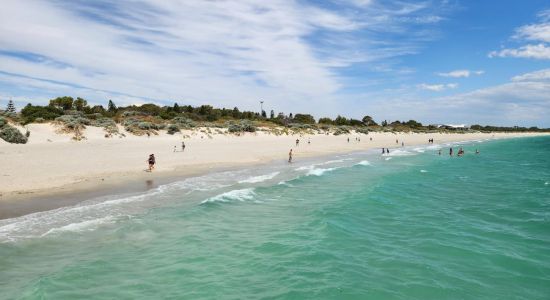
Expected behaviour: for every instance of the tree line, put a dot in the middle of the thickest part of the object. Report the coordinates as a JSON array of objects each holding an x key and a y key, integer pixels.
[{"x": 65, "y": 105}]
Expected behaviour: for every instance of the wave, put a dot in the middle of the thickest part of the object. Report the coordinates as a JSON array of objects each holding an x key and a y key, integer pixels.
[
  {"x": 388, "y": 158},
  {"x": 261, "y": 178},
  {"x": 88, "y": 225},
  {"x": 400, "y": 153},
  {"x": 319, "y": 171},
  {"x": 363, "y": 163},
  {"x": 419, "y": 150},
  {"x": 239, "y": 195},
  {"x": 434, "y": 147},
  {"x": 423, "y": 171}
]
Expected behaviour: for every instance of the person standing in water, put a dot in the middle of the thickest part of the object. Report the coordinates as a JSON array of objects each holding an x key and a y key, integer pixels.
[
  {"x": 388, "y": 150},
  {"x": 439, "y": 152},
  {"x": 477, "y": 151},
  {"x": 290, "y": 156},
  {"x": 451, "y": 151},
  {"x": 383, "y": 151},
  {"x": 151, "y": 162}
]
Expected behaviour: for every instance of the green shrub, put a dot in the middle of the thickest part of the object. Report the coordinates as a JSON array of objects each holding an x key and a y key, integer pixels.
[
  {"x": 362, "y": 130},
  {"x": 172, "y": 128},
  {"x": 31, "y": 113},
  {"x": 341, "y": 130},
  {"x": 3, "y": 122},
  {"x": 145, "y": 125},
  {"x": 12, "y": 135},
  {"x": 243, "y": 126},
  {"x": 183, "y": 122}
]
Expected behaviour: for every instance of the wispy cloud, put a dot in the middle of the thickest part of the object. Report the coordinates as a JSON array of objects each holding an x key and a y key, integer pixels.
[
  {"x": 539, "y": 32},
  {"x": 540, "y": 51},
  {"x": 541, "y": 75},
  {"x": 460, "y": 73},
  {"x": 222, "y": 52},
  {"x": 437, "y": 87}
]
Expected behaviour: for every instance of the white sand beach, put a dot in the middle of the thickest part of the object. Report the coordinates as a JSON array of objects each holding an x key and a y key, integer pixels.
[{"x": 52, "y": 162}]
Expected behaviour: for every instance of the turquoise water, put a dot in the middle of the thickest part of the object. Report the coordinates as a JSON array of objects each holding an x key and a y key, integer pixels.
[{"x": 412, "y": 225}]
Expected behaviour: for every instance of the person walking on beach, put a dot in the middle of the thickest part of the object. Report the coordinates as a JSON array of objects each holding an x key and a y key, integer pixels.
[
  {"x": 290, "y": 156},
  {"x": 348, "y": 140},
  {"x": 182, "y": 146},
  {"x": 151, "y": 162},
  {"x": 402, "y": 144},
  {"x": 174, "y": 149},
  {"x": 297, "y": 142}
]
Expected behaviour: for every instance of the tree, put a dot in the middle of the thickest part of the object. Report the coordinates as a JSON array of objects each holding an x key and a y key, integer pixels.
[
  {"x": 205, "y": 110},
  {"x": 368, "y": 121},
  {"x": 326, "y": 121},
  {"x": 290, "y": 116},
  {"x": 150, "y": 109},
  {"x": 304, "y": 119},
  {"x": 341, "y": 120},
  {"x": 264, "y": 115},
  {"x": 11, "y": 107},
  {"x": 111, "y": 107},
  {"x": 384, "y": 123},
  {"x": 272, "y": 114},
  {"x": 65, "y": 103},
  {"x": 80, "y": 104},
  {"x": 31, "y": 113},
  {"x": 236, "y": 113},
  {"x": 177, "y": 108},
  {"x": 413, "y": 124}
]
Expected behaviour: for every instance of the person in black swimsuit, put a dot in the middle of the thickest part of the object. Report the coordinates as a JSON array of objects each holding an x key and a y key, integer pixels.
[{"x": 151, "y": 162}]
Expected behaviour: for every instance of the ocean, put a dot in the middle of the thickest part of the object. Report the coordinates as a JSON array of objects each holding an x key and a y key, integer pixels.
[{"x": 408, "y": 225}]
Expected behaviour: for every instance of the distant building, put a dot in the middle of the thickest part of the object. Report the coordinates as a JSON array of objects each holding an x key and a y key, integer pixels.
[{"x": 452, "y": 126}]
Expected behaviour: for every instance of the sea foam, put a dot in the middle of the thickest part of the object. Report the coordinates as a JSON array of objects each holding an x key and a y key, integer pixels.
[
  {"x": 238, "y": 195},
  {"x": 261, "y": 178}
]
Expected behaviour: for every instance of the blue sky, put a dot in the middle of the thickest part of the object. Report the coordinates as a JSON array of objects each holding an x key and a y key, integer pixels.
[{"x": 434, "y": 61}]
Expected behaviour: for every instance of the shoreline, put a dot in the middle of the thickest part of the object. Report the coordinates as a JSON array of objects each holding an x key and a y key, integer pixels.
[{"x": 18, "y": 203}]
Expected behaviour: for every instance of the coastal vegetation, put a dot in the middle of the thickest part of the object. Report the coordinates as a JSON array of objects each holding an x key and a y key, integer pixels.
[{"x": 73, "y": 115}]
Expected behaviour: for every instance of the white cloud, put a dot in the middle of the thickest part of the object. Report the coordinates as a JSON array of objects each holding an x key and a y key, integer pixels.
[
  {"x": 541, "y": 75},
  {"x": 534, "y": 32},
  {"x": 539, "y": 32},
  {"x": 523, "y": 103},
  {"x": 540, "y": 51},
  {"x": 437, "y": 87},
  {"x": 461, "y": 73},
  {"x": 220, "y": 52}
]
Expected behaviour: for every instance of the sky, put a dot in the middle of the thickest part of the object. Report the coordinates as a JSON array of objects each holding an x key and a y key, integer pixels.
[{"x": 434, "y": 61}]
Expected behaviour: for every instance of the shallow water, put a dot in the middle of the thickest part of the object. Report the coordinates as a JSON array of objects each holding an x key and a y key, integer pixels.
[{"x": 411, "y": 225}]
